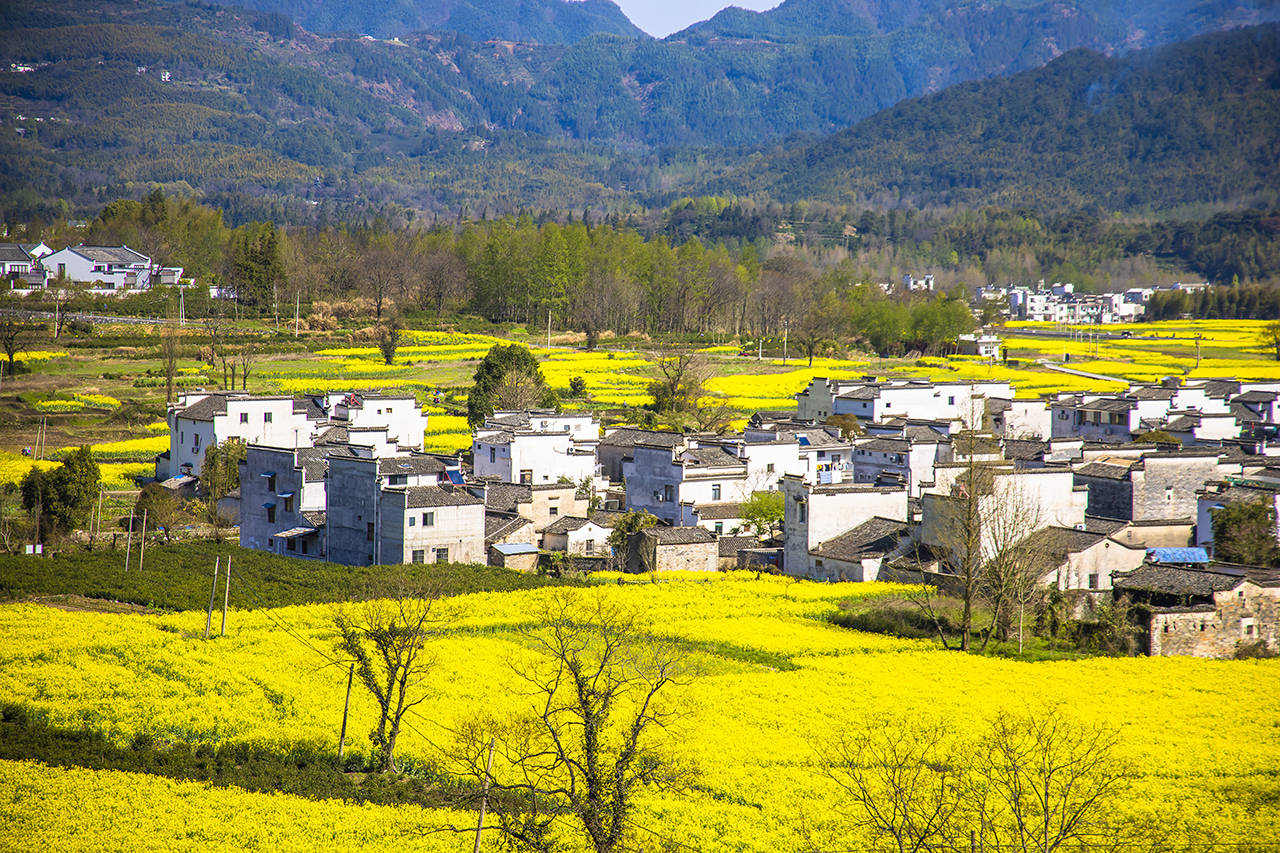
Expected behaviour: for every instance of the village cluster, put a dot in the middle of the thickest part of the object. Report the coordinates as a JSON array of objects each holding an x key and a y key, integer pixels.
[
  {"x": 871, "y": 473},
  {"x": 105, "y": 270}
]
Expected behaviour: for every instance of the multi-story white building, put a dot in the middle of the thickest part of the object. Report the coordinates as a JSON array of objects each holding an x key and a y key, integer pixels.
[
  {"x": 669, "y": 482},
  {"x": 111, "y": 268},
  {"x": 536, "y": 447},
  {"x": 814, "y": 515}
]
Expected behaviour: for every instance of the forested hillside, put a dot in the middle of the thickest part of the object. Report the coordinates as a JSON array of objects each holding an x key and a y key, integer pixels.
[{"x": 1186, "y": 124}]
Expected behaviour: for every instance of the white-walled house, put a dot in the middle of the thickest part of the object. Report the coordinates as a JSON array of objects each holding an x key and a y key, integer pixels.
[
  {"x": 816, "y": 514},
  {"x": 399, "y": 414},
  {"x": 116, "y": 268},
  {"x": 910, "y": 461},
  {"x": 669, "y": 482},
  {"x": 283, "y": 500},
  {"x": 536, "y": 447},
  {"x": 586, "y": 535},
  {"x": 200, "y": 420},
  {"x": 920, "y": 400}
]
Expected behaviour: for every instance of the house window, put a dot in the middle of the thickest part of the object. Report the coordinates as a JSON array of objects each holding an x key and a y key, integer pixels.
[
  {"x": 304, "y": 546},
  {"x": 553, "y": 511},
  {"x": 526, "y": 477},
  {"x": 668, "y": 493},
  {"x": 768, "y": 469},
  {"x": 368, "y": 532},
  {"x": 420, "y": 556},
  {"x": 428, "y": 519},
  {"x": 804, "y": 512},
  {"x": 388, "y": 410},
  {"x": 412, "y": 520},
  {"x": 271, "y": 482},
  {"x": 1093, "y": 581},
  {"x": 493, "y": 455},
  {"x": 951, "y": 401},
  {"x": 196, "y": 439},
  {"x": 442, "y": 555},
  {"x": 397, "y": 479},
  {"x": 719, "y": 527},
  {"x": 288, "y": 504},
  {"x": 271, "y": 514},
  {"x": 715, "y": 492},
  {"x": 589, "y": 546},
  {"x": 244, "y": 417},
  {"x": 292, "y": 545},
  {"x": 266, "y": 417}
]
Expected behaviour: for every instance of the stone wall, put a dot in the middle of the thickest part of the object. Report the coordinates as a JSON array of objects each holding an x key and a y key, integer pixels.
[
  {"x": 695, "y": 557},
  {"x": 1240, "y": 617},
  {"x": 1108, "y": 498}
]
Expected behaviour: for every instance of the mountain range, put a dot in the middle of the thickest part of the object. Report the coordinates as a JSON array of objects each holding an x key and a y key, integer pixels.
[{"x": 546, "y": 103}]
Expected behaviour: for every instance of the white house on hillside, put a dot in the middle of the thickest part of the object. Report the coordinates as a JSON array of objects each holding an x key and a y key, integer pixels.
[{"x": 536, "y": 447}]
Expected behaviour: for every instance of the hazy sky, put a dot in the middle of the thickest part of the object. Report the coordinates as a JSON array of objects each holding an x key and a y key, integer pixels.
[{"x": 663, "y": 17}]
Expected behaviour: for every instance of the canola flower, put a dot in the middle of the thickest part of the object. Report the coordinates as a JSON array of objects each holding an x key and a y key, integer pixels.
[
  {"x": 122, "y": 476},
  {"x": 14, "y": 466},
  {"x": 38, "y": 355},
  {"x": 98, "y": 401},
  {"x": 59, "y": 407},
  {"x": 128, "y": 449},
  {"x": 770, "y": 677}
]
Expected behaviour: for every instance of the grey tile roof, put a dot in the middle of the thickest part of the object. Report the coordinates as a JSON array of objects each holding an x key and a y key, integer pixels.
[
  {"x": 412, "y": 464},
  {"x": 420, "y": 496},
  {"x": 875, "y": 536},
  {"x": 1243, "y": 413},
  {"x": 680, "y": 535},
  {"x": 1103, "y": 470},
  {"x": 1105, "y": 526},
  {"x": 500, "y": 525},
  {"x": 316, "y": 518},
  {"x": 886, "y": 445},
  {"x": 205, "y": 409},
  {"x": 630, "y": 437},
  {"x": 506, "y": 497},
  {"x": 729, "y": 546},
  {"x": 709, "y": 457},
  {"x": 112, "y": 254},
  {"x": 1024, "y": 449},
  {"x": 1173, "y": 580},
  {"x": 1057, "y": 542},
  {"x": 13, "y": 253},
  {"x": 1152, "y": 392},
  {"x": 1256, "y": 397},
  {"x": 716, "y": 511},
  {"x": 566, "y": 524}
]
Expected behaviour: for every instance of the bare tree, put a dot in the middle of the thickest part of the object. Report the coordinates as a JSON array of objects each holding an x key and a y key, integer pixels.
[
  {"x": 247, "y": 355},
  {"x": 389, "y": 339},
  {"x": 13, "y": 331},
  {"x": 1050, "y": 781},
  {"x": 1035, "y": 781},
  {"x": 904, "y": 781},
  {"x": 170, "y": 350},
  {"x": 578, "y": 759},
  {"x": 442, "y": 278},
  {"x": 385, "y": 639}
]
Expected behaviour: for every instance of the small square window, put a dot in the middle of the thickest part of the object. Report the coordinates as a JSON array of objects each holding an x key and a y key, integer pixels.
[
  {"x": 420, "y": 556},
  {"x": 412, "y": 520},
  {"x": 271, "y": 515},
  {"x": 719, "y": 527},
  {"x": 244, "y": 417},
  {"x": 553, "y": 511},
  {"x": 266, "y": 417},
  {"x": 293, "y": 545},
  {"x": 442, "y": 555},
  {"x": 368, "y": 532},
  {"x": 428, "y": 519}
]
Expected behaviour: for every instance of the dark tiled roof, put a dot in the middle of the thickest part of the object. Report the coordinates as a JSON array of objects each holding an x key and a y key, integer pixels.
[
  {"x": 1256, "y": 397},
  {"x": 413, "y": 464},
  {"x": 419, "y": 496},
  {"x": 875, "y": 536},
  {"x": 1105, "y": 526},
  {"x": 1151, "y": 392},
  {"x": 864, "y": 393},
  {"x": 506, "y": 497},
  {"x": 316, "y": 518},
  {"x": 630, "y": 437},
  {"x": 499, "y": 525},
  {"x": 333, "y": 435},
  {"x": 205, "y": 408},
  {"x": 1182, "y": 423},
  {"x": 886, "y": 445},
  {"x": 1107, "y": 405},
  {"x": 567, "y": 524},
  {"x": 309, "y": 407},
  {"x": 680, "y": 535},
  {"x": 1103, "y": 470},
  {"x": 710, "y": 457},
  {"x": 314, "y": 462},
  {"x": 1244, "y": 414},
  {"x": 1173, "y": 580},
  {"x": 1057, "y": 542},
  {"x": 729, "y": 546},
  {"x": 13, "y": 253},
  {"x": 1219, "y": 388},
  {"x": 1024, "y": 449},
  {"x": 112, "y": 254},
  {"x": 712, "y": 512}
]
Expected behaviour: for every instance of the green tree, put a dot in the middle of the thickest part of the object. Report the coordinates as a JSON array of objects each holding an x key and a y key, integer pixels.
[
  {"x": 164, "y": 510},
  {"x": 505, "y": 370},
  {"x": 389, "y": 340},
  {"x": 1245, "y": 532},
  {"x": 62, "y": 497},
  {"x": 220, "y": 471},
  {"x": 762, "y": 512}
]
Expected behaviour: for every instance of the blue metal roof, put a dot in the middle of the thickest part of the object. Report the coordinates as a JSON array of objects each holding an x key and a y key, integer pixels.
[
  {"x": 508, "y": 549},
  {"x": 1178, "y": 555}
]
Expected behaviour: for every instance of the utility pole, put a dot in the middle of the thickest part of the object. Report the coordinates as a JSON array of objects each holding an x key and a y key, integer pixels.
[
  {"x": 95, "y": 529},
  {"x": 548, "y": 327},
  {"x": 142, "y": 540},
  {"x": 296, "y": 302},
  {"x": 484, "y": 795},
  {"x": 213, "y": 592},
  {"x": 128, "y": 541},
  {"x": 346, "y": 706},
  {"x": 182, "y": 306},
  {"x": 786, "y": 327},
  {"x": 226, "y": 596}
]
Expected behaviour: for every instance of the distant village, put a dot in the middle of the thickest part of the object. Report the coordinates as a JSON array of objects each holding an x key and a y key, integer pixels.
[{"x": 1113, "y": 492}]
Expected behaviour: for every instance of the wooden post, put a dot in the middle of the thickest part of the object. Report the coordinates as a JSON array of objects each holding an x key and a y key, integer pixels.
[
  {"x": 128, "y": 541},
  {"x": 226, "y": 597},
  {"x": 484, "y": 795},
  {"x": 142, "y": 540},
  {"x": 213, "y": 592},
  {"x": 96, "y": 529},
  {"x": 346, "y": 706}
]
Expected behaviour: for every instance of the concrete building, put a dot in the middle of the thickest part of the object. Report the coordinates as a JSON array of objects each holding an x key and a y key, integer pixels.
[
  {"x": 1154, "y": 487},
  {"x": 201, "y": 420},
  {"x": 1076, "y": 559},
  {"x": 665, "y": 549},
  {"x": 108, "y": 268},
  {"x": 1215, "y": 496},
  {"x": 283, "y": 499},
  {"x": 618, "y": 443},
  {"x": 1210, "y": 612},
  {"x": 1094, "y": 418},
  {"x": 1022, "y": 419},
  {"x": 982, "y": 345},
  {"x": 908, "y": 461},
  {"x": 536, "y": 447},
  {"x": 581, "y": 535},
  {"x": 814, "y": 514},
  {"x": 669, "y": 482}
]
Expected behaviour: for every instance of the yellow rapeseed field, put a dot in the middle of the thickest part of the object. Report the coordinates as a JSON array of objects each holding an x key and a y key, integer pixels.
[{"x": 771, "y": 680}]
